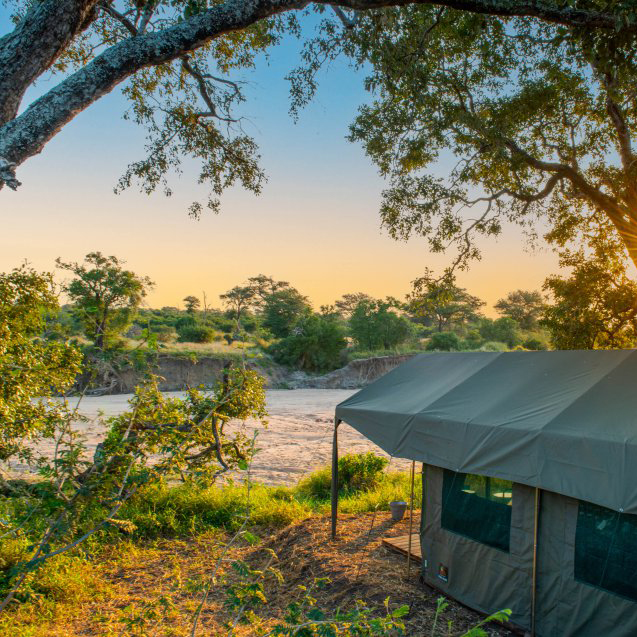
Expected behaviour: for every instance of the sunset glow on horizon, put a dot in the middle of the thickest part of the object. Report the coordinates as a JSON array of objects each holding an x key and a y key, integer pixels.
[{"x": 316, "y": 224}]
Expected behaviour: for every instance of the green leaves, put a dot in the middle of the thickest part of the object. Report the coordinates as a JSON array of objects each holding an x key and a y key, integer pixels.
[
  {"x": 478, "y": 120},
  {"x": 105, "y": 295},
  {"x": 30, "y": 367},
  {"x": 595, "y": 306}
]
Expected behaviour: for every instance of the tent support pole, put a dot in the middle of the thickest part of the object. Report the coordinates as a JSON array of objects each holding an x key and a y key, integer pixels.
[
  {"x": 534, "y": 574},
  {"x": 411, "y": 517},
  {"x": 337, "y": 422}
]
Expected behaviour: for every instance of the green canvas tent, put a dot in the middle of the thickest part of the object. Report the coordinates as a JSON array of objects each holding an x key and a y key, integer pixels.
[{"x": 520, "y": 450}]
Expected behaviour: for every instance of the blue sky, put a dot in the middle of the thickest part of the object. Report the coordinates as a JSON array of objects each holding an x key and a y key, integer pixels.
[{"x": 316, "y": 223}]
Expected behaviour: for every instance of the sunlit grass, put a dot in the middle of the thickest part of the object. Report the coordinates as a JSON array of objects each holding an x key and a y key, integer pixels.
[{"x": 174, "y": 514}]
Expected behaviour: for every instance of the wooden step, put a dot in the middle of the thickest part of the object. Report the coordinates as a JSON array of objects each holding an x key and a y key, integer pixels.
[{"x": 401, "y": 545}]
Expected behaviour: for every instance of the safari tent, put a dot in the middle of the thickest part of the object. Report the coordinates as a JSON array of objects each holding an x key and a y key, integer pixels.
[{"x": 529, "y": 480}]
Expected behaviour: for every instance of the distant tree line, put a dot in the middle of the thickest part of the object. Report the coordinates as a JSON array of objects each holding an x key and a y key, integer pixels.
[{"x": 593, "y": 305}]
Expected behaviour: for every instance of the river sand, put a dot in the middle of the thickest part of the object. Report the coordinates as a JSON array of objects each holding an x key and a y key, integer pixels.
[{"x": 298, "y": 438}]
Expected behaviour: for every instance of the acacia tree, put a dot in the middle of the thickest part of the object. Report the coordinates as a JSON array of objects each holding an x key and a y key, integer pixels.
[
  {"x": 441, "y": 302},
  {"x": 105, "y": 295},
  {"x": 192, "y": 304},
  {"x": 523, "y": 306},
  {"x": 262, "y": 287},
  {"x": 350, "y": 301},
  {"x": 238, "y": 301},
  {"x": 535, "y": 98}
]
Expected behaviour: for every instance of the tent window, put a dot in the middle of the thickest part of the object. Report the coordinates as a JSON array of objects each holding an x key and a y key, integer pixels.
[
  {"x": 606, "y": 549},
  {"x": 477, "y": 507}
]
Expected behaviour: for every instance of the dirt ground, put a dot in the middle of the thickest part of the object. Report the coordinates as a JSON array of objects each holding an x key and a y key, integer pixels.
[{"x": 357, "y": 565}]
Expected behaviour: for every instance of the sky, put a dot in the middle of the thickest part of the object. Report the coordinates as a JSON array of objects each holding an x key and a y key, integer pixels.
[{"x": 316, "y": 223}]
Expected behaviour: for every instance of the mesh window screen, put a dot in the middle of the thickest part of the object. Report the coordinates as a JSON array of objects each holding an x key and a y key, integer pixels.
[
  {"x": 606, "y": 549},
  {"x": 477, "y": 507}
]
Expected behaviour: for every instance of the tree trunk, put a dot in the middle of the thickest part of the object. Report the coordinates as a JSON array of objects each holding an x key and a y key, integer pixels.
[{"x": 629, "y": 237}]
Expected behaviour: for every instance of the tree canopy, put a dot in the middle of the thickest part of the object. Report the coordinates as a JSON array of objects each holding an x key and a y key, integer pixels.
[
  {"x": 192, "y": 304},
  {"x": 523, "y": 306},
  {"x": 105, "y": 295},
  {"x": 283, "y": 309},
  {"x": 538, "y": 118},
  {"x": 534, "y": 101},
  {"x": 439, "y": 301},
  {"x": 375, "y": 324}
]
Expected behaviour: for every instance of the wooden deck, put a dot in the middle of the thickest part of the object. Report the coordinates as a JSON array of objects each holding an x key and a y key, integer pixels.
[{"x": 401, "y": 545}]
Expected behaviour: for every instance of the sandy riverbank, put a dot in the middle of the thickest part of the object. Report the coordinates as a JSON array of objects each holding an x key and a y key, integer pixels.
[{"x": 297, "y": 441}]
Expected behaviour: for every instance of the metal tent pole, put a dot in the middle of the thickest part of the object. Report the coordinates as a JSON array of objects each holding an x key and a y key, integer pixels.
[
  {"x": 411, "y": 517},
  {"x": 534, "y": 574},
  {"x": 337, "y": 422}
]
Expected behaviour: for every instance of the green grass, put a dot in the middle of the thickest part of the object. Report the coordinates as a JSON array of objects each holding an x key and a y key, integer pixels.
[
  {"x": 165, "y": 511},
  {"x": 71, "y": 580}
]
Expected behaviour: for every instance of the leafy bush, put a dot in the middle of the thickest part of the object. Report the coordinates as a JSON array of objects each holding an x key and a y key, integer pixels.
[
  {"x": 494, "y": 346},
  {"x": 375, "y": 325},
  {"x": 315, "y": 345},
  {"x": 472, "y": 340},
  {"x": 184, "y": 322},
  {"x": 164, "y": 333},
  {"x": 534, "y": 344},
  {"x": 503, "y": 330},
  {"x": 196, "y": 334},
  {"x": 357, "y": 472},
  {"x": 400, "y": 350},
  {"x": 444, "y": 342},
  {"x": 360, "y": 471}
]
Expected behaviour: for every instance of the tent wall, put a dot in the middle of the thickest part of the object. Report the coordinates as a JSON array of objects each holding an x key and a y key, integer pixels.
[
  {"x": 484, "y": 578},
  {"x": 566, "y": 607}
]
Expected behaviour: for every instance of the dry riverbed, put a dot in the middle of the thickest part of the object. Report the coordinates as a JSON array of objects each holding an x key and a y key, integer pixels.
[{"x": 298, "y": 438}]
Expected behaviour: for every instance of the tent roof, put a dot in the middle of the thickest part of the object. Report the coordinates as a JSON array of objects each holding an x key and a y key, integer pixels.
[{"x": 564, "y": 421}]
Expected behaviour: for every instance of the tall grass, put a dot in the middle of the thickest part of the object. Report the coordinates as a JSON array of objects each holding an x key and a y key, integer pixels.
[{"x": 165, "y": 511}]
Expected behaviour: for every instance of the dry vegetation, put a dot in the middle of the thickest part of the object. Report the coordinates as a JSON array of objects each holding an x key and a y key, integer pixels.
[{"x": 154, "y": 588}]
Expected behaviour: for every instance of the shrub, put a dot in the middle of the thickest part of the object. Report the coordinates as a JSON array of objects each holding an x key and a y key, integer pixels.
[
  {"x": 361, "y": 471},
  {"x": 165, "y": 333},
  {"x": 503, "y": 330},
  {"x": 357, "y": 472},
  {"x": 185, "y": 321},
  {"x": 375, "y": 325},
  {"x": 472, "y": 340},
  {"x": 315, "y": 344},
  {"x": 534, "y": 344},
  {"x": 494, "y": 346},
  {"x": 444, "y": 342},
  {"x": 196, "y": 334}
]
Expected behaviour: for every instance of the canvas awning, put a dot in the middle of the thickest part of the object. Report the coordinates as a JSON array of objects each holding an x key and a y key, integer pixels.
[{"x": 564, "y": 421}]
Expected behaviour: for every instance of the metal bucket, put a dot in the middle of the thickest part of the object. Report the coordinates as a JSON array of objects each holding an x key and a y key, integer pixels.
[{"x": 397, "y": 509}]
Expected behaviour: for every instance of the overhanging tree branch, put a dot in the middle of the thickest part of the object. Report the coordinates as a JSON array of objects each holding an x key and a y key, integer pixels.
[
  {"x": 56, "y": 22},
  {"x": 45, "y": 31}
]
